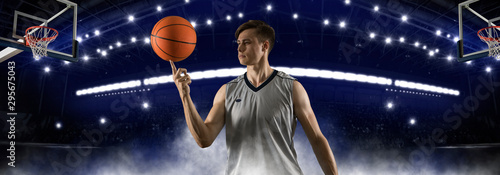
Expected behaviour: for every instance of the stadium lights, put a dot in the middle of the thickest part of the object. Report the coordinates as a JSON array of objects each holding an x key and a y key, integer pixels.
[
  {"x": 455, "y": 39},
  {"x": 347, "y": 2},
  {"x": 269, "y": 7},
  {"x": 66, "y": 62},
  {"x": 326, "y": 22},
  {"x": 417, "y": 44},
  {"x": 104, "y": 53},
  {"x": 86, "y": 35},
  {"x": 146, "y": 40},
  {"x": 412, "y": 121},
  {"x": 390, "y": 105},
  {"x": 425, "y": 47},
  {"x": 295, "y": 16},
  {"x": 46, "y": 69},
  {"x": 448, "y": 36},
  {"x": 448, "y": 58},
  {"x": 228, "y": 17},
  {"x": 193, "y": 23},
  {"x": 388, "y": 40},
  {"x": 240, "y": 15},
  {"x": 103, "y": 120},
  {"x": 130, "y": 18},
  {"x": 209, "y": 22},
  {"x": 425, "y": 87},
  {"x": 431, "y": 53},
  {"x": 110, "y": 47},
  {"x": 145, "y": 105},
  {"x": 79, "y": 39},
  {"x": 85, "y": 57},
  {"x": 133, "y": 39},
  {"x": 376, "y": 8},
  {"x": 342, "y": 24},
  {"x": 438, "y": 32},
  {"x": 404, "y": 18},
  {"x": 118, "y": 44},
  {"x": 58, "y": 125},
  {"x": 158, "y": 8},
  {"x": 401, "y": 39},
  {"x": 96, "y": 32},
  {"x": 372, "y": 35},
  {"x": 488, "y": 69}
]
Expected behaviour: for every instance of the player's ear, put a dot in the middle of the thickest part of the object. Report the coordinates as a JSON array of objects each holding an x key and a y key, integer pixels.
[{"x": 265, "y": 45}]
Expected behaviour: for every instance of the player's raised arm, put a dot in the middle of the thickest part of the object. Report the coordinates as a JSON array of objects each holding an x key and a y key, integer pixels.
[
  {"x": 204, "y": 132},
  {"x": 303, "y": 111}
]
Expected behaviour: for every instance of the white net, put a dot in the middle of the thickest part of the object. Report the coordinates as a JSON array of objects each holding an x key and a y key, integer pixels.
[
  {"x": 38, "y": 37},
  {"x": 490, "y": 36}
]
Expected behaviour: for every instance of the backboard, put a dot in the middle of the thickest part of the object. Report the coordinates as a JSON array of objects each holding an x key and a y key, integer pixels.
[
  {"x": 460, "y": 43},
  {"x": 16, "y": 43}
]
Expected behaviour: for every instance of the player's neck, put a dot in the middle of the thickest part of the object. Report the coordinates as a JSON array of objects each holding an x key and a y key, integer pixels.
[{"x": 259, "y": 72}]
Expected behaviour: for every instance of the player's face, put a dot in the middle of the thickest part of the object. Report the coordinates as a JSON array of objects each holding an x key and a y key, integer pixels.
[{"x": 250, "y": 50}]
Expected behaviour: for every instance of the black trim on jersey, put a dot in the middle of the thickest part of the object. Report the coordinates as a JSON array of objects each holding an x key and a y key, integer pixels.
[{"x": 255, "y": 89}]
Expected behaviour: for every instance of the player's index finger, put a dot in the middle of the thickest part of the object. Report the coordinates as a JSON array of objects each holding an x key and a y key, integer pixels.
[{"x": 173, "y": 67}]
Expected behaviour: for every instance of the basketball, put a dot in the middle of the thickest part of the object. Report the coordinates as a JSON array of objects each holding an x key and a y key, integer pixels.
[{"x": 173, "y": 38}]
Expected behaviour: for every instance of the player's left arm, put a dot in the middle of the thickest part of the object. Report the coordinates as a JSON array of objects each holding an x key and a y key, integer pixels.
[{"x": 307, "y": 119}]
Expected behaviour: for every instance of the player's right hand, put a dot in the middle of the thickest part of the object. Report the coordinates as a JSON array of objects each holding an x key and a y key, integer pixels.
[{"x": 181, "y": 81}]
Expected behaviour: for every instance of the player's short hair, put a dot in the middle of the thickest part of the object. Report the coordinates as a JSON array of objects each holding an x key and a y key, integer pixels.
[{"x": 264, "y": 31}]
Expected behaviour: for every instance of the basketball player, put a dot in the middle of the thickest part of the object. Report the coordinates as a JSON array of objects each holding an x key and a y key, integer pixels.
[{"x": 260, "y": 110}]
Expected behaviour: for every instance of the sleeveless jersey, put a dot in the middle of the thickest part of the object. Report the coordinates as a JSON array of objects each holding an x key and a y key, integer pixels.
[{"x": 260, "y": 125}]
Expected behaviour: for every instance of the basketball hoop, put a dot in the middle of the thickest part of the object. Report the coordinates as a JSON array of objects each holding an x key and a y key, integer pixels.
[
  {"x": 490, "y": 36},
  {"x": 38, "y": 37}
]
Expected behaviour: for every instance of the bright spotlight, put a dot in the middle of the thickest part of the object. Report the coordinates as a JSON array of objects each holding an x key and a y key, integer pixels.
[
  {"x": 193, "y": 23},
  {"x": 376, "y": 8},
  {"x": 417, "y": 44},
  {"x": 438, "y": 32},
  {"x": 390, "y": 105},
  {"x": 342, "y": 24},
  {"x": 404, "y": 18},
  {"x": 448, "y": 58},
  {"x": 326, "y": 22},
  {"x": 85, "y": 57},
  {"x": 110, "y": 47},
  {"x": 103, "y": 120},
  {"x": 158, "y": 8},
  {"x": 86, "y": 35},
  {"x": 347, "y": 2},
  {"x": 372, "y": 35},
  {"x": 431, "y": 53},
  {"x": 187, "y": 1},
  {"x": 209, "y": 22},
  {"x": 455, "y": 39},
  {"x": 425, "y": 47},
  {"x": 130, "y": 18},
  {"x": 488, "y": 69},
  {"x": 448, "y": 36},
  {"x": 47, "y": 69},
  {"x": 96, "y": 32},
  {"x": 228, "y": 17},
  {"x": 401, "y": 39},
  {"x": 468, "y": 62},
  {"x": 269, "y": 7},
  {"x": 388, "y": 40},
  {"x": 145, "y": 105},
  {"x": 146, "y": 40},
  {"x": 58, "y": 125},
  {"x": 66, "y": 62},
  {"x": 295, "y": 16},
  {"x": 118, "y": 44},
  {"x": 412, "y": 121},
  {"x": 240, "y": 15},
  {"x": 133, "y": 39},
  {"x": 436, "y": 50},
  {"x": 104, "y": 53},
  {"x": 79, "y": 39}
]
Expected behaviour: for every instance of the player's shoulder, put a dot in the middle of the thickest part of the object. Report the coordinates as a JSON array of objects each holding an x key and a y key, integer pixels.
[
  {"x": 237, "y": 79},
  {"x": 284, "y": 75}
]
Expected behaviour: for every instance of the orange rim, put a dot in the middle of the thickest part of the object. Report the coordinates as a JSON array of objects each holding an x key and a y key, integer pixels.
[
  {"x": 41, "y": 27},
  {"x": 488, "y": 38}
]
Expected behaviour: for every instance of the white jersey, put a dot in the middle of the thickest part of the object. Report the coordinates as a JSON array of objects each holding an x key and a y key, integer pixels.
[{"x": 260, "y": 125}]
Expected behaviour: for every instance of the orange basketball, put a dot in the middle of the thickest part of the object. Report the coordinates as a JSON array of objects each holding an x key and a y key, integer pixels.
[{"x": 173, "y": 38}]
